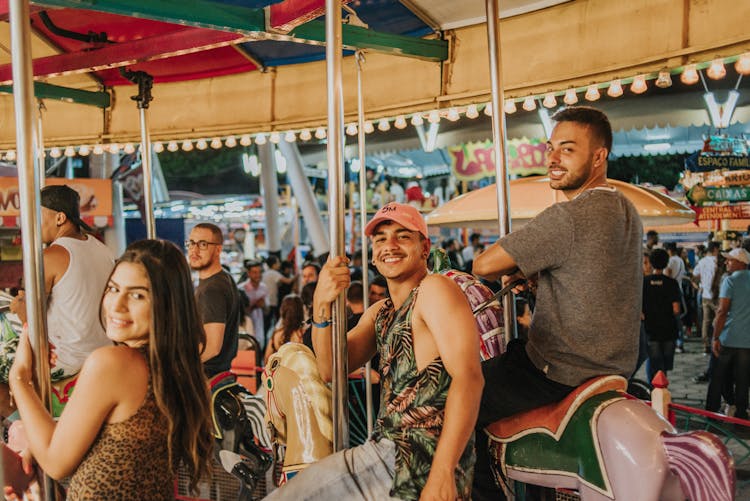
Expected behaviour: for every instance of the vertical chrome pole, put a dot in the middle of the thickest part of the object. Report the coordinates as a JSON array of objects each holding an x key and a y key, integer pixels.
[
  {"x": 40, "y": 143},
  {"x": 499, "y": 147},
  {"x": 336, "y": 216},
  {"x": 362, "y": 222},
  {"x": 148, "y": 176},
  {"x": 28, "y": 187}
]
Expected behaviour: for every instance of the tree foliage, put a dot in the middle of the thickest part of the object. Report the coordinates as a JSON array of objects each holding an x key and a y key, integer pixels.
[
  {"x": 659, "y": 169},
  {"x": 207, "y": 172}
]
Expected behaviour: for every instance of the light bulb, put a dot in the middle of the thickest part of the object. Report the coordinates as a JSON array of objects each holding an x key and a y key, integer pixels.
[
  {"x": 172, "y": 146},
  {"x": 510, "y": 107},
  {"x": 384, "y": 125},
  {"x": 187, "y": 145},
  {"x": 571, "y": 97},
  {"x": 69, "y": 151},
  {"x": 664, "y": 79},
  {"x": 305, "y": 135},
  {"x": 245, "y": 140},
  {"x": 417, "y": 120},
  {"x": 689, "y": 75},
  {"x": 11, "y": 155},
  {"x": 275, "y": 137},
  {"x": 230, "y": 142},
  {"x": 84, "y": 151},
  {"x": 529, "y": 104},
  {"x": 639, "y": 85},
  {"x": 351, "y": 130},
  {"x": 433, "y": 117},
  {"x": 549, "y": 101},
  {"x": 369, "y": 128},
  {"x": 488, "y": 108},
  {"x": 742, "y": 66},
  {"x": 592, "y": 93},
  {"x": 201, "y": 144},
  {"x": 615, "y": 88},
  {"x": 471, "y": 111},
  {"x": 400, "y": 122},
  {"x": 55, "y": 153},
  {"x": 290, "y": 136},
  {"x": 716, "y": 70},
  {"x": 453, "y": 115},
  {"x": 128, "y": 149},
  {"x": 260, "y": 139},
  {"x": 158, "y": 147},
  {"x": 216, "y": 143},
  {"x": 98, "y": 149},
  {"x": 320, "y": 133}
]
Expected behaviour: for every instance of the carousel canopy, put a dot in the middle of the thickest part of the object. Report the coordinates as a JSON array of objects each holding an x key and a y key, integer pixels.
[{"x": 225, "y": 67}]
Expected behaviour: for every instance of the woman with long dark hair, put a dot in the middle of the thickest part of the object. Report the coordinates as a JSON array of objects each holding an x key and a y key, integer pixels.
[
  {"x": 141, "y": 407},
  {"x": 291, "y": 324}
]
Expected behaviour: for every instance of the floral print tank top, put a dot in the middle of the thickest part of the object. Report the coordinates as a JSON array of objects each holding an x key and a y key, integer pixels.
[{"x": 412, "y": 404}]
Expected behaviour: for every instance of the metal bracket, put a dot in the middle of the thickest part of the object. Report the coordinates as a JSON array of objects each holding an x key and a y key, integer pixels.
[{"x": 145, "y": 83}]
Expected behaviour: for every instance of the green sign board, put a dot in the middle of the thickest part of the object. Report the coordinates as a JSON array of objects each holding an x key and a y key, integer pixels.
[{"x": 701, "y": 195}]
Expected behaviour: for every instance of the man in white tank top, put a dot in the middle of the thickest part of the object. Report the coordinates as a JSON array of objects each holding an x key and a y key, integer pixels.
[{"x": 76, "y": 269}]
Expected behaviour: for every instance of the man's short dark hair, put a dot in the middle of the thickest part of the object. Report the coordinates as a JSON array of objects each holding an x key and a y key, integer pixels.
[
  {"x": 272, "y": 260},
  {"x": 713, "y": 247},
  {"x": 475, "y": 236},
  {"x": 652, "y": 233},
  {"x": 252, "y": 263},
  {"x": 658, "y": 259},
  {"x": 595, "y": 119},
  {"x": 380, "y": 281},
  {"x": 215, "y": 231},
  {"x": 447, "y": 243},
  {"x": 311, "y": 263},
  {"x": 355, "y": 292},
  {"x": 671, "y": 246}
]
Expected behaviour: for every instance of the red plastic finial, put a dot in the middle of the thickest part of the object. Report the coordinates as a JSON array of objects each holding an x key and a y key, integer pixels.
[{"x": 660, "y": 380}]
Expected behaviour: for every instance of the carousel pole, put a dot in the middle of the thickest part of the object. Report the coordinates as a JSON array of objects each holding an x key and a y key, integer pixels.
[
  {"x": 28, "y": 187},
  {"x": 145, "y": 82},
  {"x": 499, "y": 147},
  {"x": 336, "y": 217},
  {"x": 40, "y": 142},
  {"x": 360, "y": 57}
]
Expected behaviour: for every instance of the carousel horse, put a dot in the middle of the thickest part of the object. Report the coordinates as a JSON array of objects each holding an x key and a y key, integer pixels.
[{"x": 298, "y": 405}]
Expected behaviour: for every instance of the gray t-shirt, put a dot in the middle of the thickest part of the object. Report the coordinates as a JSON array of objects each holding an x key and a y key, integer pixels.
[{"x": 588, "y": 255}]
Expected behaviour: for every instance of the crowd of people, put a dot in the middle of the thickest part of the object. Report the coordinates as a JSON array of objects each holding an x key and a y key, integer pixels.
[{"x": 591, "y": 308}]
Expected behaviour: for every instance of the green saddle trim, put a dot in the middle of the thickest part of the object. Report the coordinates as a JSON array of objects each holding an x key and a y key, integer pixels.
[{"x": 576, "y": 452}]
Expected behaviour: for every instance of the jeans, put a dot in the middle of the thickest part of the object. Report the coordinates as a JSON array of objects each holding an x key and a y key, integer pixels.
[
  {"x": 709, "y": 312},
  {"x": 361, "y": 473},
  {"x": 732, "y": 362},
  {"x": 661, "y": 355}
]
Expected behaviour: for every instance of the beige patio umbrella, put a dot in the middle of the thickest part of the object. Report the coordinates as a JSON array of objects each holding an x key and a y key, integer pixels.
[{"x": 530, "y": 196}]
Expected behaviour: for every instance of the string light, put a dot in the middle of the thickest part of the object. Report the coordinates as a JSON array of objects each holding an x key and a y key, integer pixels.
[
  {"x": 639, "y": 85},
  {"x": 615, "y": 88},
  {"x": 664, "y": 80},
  {"x": 245, "y": 140},
  {"x": 99, "y": 149},
  {"x": 571, "y": 97},
  {"x": 114, "y": 148},
  {"x": 529, "y": 104},
  {"x": 275, "y": 137},
  {"x": 416, "y": 120},
  {"x": 201, "y": 144},
  {"x": 369, "y": 128},
  {"x": 290, "y": 136},
  {"x": 549, "y": 101},
  {"x": 320, "y": 133},
  {"x": 717, "y": 70},
  {"x": 84, "y": 151},
  {"x": 488, "y": 108},
  {"x": 510, "y": 107},
  {"x": 453, "y": 115},
  {"x": 433, "y": 117},
  {"x": 689, "y": 75},
  {"x": 230, "y": 142},
  {"x": 384, "y": 125},
  {"x": 128, "y": 149},
  {"x": 157, "y": 147},
  {"x": 351, "y": 130},
  {"x": 592, "y": 93},
  {"x": 69, "y": 152},
  {"x": 55, "y": 153},
  {"x": 187, "y": 145},
  {"x": 216, "y": 143},
  {"x": 305, "y": 135},
  {"x": 260, "y": 139},
  {"x": 400, "y": 122},
  {"x": 11, "y": 155},
  {"x": 742, "y": 66},
  {"x": 471, "y": 111}
]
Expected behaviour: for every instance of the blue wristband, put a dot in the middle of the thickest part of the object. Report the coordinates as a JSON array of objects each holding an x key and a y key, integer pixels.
[{"x": 321, "y": 325}]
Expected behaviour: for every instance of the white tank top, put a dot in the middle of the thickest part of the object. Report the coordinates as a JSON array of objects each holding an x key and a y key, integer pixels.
[{"x": 73, "y": 308}]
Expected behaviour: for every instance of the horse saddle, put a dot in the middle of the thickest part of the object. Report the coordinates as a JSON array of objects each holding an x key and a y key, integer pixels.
[{"x": 561, "y": 437}]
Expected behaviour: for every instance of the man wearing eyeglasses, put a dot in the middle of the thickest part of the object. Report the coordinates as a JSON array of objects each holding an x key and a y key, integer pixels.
[{"x": 217, "y": 298}]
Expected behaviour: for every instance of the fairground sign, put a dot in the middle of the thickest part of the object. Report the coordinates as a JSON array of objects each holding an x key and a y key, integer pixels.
[
  {"x": 737, "y": 211},
  {"x": 700, "y": 195},
  {"x": 472, "y": 161}
]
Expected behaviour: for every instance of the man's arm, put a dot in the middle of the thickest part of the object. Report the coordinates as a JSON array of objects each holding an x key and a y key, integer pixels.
[
  {"x": 719, "y": 321},
  {"x": 56, "y": 260},
  {"x": 214, "y": 340},
  {"x": 333, "y": 279},
  {"x": 454, "y": 331},
  {"x": 494, "y": 263}
]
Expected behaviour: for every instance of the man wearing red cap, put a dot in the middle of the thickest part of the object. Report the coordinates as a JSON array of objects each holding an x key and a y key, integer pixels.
[{"x": 431, "y": 379}]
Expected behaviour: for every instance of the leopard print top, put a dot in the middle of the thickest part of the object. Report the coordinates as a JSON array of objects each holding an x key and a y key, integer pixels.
[{"x": 128, "y": 460}]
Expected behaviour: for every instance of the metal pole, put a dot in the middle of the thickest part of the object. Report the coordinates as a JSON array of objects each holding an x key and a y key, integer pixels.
[
  {"x": 362, "y": 222},
  {"x": 148, "y": 177},
  {"x": 28, "y": 187},
  {"x": 269, "y": 182},
  {"x": 336, "y": 217},
  {"x": 40, "y": 143},
  {"x": 498, "y": 146}
]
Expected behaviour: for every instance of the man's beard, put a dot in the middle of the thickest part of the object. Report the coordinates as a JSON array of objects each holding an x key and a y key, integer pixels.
[{"x": 200, "y": 267}]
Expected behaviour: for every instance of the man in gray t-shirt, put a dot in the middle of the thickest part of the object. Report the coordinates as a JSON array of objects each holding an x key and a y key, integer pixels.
[{"x": 585, "y": 254}]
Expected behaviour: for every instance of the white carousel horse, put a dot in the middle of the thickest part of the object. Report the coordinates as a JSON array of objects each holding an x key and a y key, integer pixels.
[{"x": 298, "y": 407}]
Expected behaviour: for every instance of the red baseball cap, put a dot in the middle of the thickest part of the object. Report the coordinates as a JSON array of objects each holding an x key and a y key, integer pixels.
[{"x": 405, "y": 215}]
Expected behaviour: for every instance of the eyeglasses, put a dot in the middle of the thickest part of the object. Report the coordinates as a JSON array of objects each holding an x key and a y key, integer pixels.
[{"x": 202, "y": 244}]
